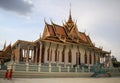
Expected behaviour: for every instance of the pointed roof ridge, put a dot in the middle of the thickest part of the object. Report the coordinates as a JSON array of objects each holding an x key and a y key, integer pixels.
[
  {"x": 52, "y": 22},
  {"x": 40, "y": 36},
  {"x": 45, "y": 21}
]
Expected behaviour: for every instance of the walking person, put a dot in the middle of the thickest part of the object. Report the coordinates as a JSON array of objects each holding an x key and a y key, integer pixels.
[
  {"x": 6, "y": 74},
  {"x": 10, "y": 74}
]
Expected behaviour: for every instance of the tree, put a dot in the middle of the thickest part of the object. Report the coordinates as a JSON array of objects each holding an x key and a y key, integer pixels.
[{"x": 115, "y": 62}]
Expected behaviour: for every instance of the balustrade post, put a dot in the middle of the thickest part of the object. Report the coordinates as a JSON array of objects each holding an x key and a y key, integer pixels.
[
  {"x": 49, "y": 67},
  {"x": 68, "y": 69},
  {"x": 27, "y": 67},
  {"x": 39, "y": 67},
  {"x": 75, "y": 69},
  {"x": 89, "y": 68},
  {"x": 59, "y": 68},
  {"x": 14, "y": 66},
  {"x": 83, "y": 69}
]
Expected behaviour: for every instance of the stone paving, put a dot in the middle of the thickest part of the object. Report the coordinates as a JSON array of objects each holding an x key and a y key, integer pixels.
[{"x": 62, "y": 80}]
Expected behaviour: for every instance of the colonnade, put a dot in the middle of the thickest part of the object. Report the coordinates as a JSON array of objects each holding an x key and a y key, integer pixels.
[{"x": 42, "y": 53}]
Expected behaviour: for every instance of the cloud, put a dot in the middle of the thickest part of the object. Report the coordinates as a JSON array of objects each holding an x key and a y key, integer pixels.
[{"x": 22, "y": 7}]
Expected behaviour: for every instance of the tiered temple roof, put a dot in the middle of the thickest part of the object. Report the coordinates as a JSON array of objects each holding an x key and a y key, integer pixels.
[
  {"x": 6, "y": 52},
  {"x": 68, "y": 33}
]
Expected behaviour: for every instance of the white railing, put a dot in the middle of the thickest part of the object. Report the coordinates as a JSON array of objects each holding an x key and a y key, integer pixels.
[
  {"x": 50, "y": 68},
  {"x": 42, "y": 68}
]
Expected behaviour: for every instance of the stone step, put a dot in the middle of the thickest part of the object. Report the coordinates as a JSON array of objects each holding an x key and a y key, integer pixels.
[{"x": 46, "y": 74}]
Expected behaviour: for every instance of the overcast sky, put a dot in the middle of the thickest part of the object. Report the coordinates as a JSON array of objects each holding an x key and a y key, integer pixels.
[{"x": 24, "y": 20}]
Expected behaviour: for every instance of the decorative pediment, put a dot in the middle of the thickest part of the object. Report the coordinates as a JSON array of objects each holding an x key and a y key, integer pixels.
[
  {"x": 46, "y": 32},
  {"x": 62, "y": 38}
]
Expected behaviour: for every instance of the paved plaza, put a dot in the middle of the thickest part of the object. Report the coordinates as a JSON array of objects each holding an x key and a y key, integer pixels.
[{"x": 62, "y": 80}]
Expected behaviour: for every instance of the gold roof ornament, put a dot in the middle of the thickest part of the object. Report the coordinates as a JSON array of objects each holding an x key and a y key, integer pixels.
[
  {"x": 70, "y": 23},
  {"x": 70, "y": 17},
  {"x": 4, "y": 45}
]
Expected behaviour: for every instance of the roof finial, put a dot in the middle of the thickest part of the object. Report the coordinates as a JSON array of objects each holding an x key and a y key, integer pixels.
[
  {"x": 70, "y": 10},
  {"x": 70, "y": 17},
  {"x": 40, "y": 35},
  {"x": 51, "y": 21},
  {"x": 4, "y": 45},
  {"x": 45, "y": 20}
]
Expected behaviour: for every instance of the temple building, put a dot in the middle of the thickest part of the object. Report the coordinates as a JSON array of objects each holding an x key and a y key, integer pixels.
[
  {"x": 5, "y": 53},
  {"x": 60, "y": 45}
]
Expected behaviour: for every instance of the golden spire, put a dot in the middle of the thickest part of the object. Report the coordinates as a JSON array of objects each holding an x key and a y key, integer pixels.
[
  {"x": 70, "y": 17},
  {"x": 69, "y": 24}
]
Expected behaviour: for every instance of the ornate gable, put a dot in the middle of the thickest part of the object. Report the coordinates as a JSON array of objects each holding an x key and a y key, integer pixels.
[
  {"x": 69, "y": 24},
  {"x": 71, "y": 29},
  {"x": 46, "y": 32}
]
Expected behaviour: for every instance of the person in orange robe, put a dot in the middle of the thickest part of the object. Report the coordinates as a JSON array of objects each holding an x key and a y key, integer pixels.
[
  {"x": 6, "y": 74},
  {"x": 10, "y": 74}
]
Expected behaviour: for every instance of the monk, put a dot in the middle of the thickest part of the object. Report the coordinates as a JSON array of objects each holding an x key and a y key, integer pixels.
[
  {"x": 6, "y": 74},
  {"x": 10, "y": 74}
]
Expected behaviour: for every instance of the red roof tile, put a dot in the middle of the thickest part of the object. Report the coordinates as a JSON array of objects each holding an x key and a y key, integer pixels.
[
  {"x": 83, "y": 36},
  {"x": 51, "y": 30},
  {"x": 60, "y": 30}
]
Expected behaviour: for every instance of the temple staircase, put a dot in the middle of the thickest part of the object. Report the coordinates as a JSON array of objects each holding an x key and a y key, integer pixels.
[{"x": 99, "y": 71}]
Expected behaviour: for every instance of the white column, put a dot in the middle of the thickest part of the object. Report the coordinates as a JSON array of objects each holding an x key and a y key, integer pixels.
[
  {"x": 32, "y": 55},
  {"x": 18, "y": 53},
  {"x": 49, "y": 55},
  {"x": 24, "y": 55},
  {"x": 27, "y": 56},
  {"x": 40, "y": 53}
]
